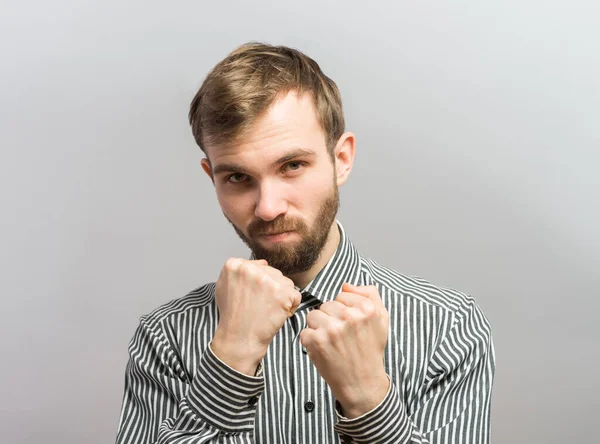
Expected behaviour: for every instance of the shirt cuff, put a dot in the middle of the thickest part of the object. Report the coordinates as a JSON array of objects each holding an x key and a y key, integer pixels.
[
  {"x": 386, "y": 423},
  {"x": 224, "y": 397}
]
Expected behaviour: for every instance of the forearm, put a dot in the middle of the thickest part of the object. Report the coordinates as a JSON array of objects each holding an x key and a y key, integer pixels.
[
  {"x": 160, "y": 406},
  {"x": 389, "y": 423}
]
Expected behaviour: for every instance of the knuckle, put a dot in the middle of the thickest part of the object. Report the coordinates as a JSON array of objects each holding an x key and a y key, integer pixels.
[
  {"x": 347, "y": 315},
  {"x": 335, "y": 330},
  {"x": 320, "y": 341},
  {"x": 245, "y": 267},
  {"x": 276, "y": 287},
  {"x": 353, "y": 318},
  {"x": 232, "y": 263},
  {"x": 368, "y": 308},
  {"x": 265, "y": 280}
]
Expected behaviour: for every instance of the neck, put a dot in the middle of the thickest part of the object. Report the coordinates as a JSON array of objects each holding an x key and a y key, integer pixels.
[{"x": 301, "y": 280}]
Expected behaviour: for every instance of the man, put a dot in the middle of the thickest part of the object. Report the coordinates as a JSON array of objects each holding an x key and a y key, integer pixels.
[{"x": 307, "y": 341}]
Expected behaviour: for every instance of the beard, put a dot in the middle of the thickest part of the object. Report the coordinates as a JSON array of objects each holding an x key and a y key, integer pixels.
[{"x": 298, "y": 257}]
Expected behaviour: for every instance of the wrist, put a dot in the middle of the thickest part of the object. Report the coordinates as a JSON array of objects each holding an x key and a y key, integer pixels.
[
  {"x": 239, "y": 355},
  {"x": 362, "y": 399}
]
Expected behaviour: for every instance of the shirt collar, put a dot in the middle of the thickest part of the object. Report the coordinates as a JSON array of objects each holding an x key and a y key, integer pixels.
[{"x": 344, "y": 266}]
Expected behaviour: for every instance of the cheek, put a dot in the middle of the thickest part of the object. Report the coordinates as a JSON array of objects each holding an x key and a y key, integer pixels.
[
  {"x": 235, "y": 206},
  {"x": 310, "y": 193}
]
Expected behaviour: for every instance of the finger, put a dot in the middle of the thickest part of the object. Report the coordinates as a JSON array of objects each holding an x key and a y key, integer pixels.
[
  {"x": 296, "y": 300},
  {"x": 307, "y": 336},
  {"x": 368, "y": 291},
  {"x": 352, "y": 299},
  {"x": 335, "y": 308},
  {"x": 318, "y": 319}
]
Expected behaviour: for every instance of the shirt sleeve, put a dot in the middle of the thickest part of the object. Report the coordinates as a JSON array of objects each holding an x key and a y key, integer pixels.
[
  {"x": 454, "y": 404},
  {"x": 162, "y": 404}
]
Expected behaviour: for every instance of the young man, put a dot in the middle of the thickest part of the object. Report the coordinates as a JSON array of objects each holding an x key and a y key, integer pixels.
[{"x": 306, "y": 342}]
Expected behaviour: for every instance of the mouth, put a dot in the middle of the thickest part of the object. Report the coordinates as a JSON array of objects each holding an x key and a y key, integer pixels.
[{"x": 276, "y": 237}]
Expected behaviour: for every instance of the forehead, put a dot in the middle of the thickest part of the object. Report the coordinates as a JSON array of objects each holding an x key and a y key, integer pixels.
[{"x": 289, "y": 124}]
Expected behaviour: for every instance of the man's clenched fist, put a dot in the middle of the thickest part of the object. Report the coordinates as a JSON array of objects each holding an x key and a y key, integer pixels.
[
  {"x": 254, "y": 301},
  {"x": 345, "y": 339}
]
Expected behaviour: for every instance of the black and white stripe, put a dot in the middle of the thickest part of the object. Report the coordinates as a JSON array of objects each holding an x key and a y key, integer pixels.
[{"x": 439, "y": 357}]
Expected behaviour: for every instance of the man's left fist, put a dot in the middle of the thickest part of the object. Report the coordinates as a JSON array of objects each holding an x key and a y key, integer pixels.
[{"x": 345, "y": 339}]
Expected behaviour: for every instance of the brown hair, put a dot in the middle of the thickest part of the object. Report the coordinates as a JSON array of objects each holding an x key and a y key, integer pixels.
[{"x": 241, "y": 87}]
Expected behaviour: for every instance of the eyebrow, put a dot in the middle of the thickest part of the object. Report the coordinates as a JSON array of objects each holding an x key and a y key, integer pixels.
[{"x": 239, "y": 169}]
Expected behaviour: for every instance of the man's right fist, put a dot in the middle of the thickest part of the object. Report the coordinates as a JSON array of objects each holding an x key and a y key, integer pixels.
[{"x": 254, "y": 301}]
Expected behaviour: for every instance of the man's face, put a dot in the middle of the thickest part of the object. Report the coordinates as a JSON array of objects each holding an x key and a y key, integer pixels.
[{"x": 278, "y": 187}]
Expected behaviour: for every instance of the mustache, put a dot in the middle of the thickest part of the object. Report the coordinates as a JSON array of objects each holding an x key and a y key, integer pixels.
[{"x": 260, "y": 227}]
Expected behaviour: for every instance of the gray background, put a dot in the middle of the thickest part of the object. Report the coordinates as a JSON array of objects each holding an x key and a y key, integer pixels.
[{"x": 478, "y": 130}]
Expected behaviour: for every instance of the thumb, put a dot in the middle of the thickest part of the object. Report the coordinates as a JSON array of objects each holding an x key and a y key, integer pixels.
[
  {"x": 368, "y": 291},
  {"x": 259, "y": 261}
]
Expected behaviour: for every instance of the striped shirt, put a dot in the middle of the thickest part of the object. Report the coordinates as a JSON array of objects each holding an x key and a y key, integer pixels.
[{"x": 439, "y": 358}]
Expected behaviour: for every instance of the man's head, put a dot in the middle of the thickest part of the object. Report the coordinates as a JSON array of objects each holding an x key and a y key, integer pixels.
[{"x": 272, "y": 128}]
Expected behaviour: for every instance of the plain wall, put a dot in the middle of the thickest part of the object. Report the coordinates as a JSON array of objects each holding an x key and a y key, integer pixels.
[{"x": 478, "y": 148}]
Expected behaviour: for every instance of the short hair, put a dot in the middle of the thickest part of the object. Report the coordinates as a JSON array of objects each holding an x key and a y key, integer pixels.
[{"x": 241, "y": 87}]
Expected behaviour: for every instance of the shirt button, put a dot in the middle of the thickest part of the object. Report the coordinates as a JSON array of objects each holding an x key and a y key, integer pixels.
[
  {"x": 252, "y": 401},
  {"x": 309, "y": 406},
  {"x": 304, "y": 350}
]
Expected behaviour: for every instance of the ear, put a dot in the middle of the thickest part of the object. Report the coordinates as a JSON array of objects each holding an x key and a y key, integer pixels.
[
  {"x": 344, "y": 157},
  {"x": 206, "y": 166}
]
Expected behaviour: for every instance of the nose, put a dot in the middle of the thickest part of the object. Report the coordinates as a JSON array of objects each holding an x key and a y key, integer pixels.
[{"x": 270, "y": 201}]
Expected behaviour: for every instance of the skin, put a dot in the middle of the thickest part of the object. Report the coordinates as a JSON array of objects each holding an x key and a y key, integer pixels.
[{"x": 278, "y": 178}]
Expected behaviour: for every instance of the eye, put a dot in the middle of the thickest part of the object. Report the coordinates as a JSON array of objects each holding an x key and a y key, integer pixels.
[
  {"x": 236, "y": 178},
  {"x": 294, "y": 166}
]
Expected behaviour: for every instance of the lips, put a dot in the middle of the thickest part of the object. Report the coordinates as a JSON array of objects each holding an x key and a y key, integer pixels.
[{"x": 279, "y": 236}]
